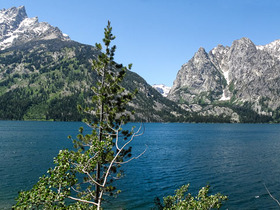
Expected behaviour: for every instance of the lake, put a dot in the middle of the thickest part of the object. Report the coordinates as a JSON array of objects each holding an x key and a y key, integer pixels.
[{"x": 235, "y": 159}]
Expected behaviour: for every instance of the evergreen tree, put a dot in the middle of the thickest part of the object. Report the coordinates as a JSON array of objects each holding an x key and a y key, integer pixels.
[{"x": 82, "y": 176}]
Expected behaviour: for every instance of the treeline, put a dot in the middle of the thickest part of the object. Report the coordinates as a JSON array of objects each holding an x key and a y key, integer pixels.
[
  {"x": 248, "y": 115},
  {"x": 29, "y": 104},
  {"x": 196, "y": 118},
  {"x": 18, "y": 105}
]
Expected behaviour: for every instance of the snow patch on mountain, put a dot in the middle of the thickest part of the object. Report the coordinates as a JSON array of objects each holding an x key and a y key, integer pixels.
[
  {"x": 162, "y": 89},
  {"x": 226, "y": 76},
  {"x": 16, "y": 28},
  {"x": 272, "y": 48},
  {"x": 224, "y": 96}
]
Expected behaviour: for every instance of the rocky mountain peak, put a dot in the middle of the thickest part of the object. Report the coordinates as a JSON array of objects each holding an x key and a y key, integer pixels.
[
  {"x": 16, "y": 28},
  {"x": 244, "y": 75},
  {"x": 10, "y": 19},
  {"x": 244, "y": 41},
  {"x": 219, "y": 50},
  {"x": 201, "y": 53},
  {"x": 14, "y": 13},
  {"x": 243, "y": 46},
  {"x": 218, "y": 56},
  {"x": 195, "y": 78},
  {"x": 272, "y": 48}
]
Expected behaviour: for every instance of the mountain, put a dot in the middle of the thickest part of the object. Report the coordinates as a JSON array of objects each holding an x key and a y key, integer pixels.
[
  {"x": 16, "y": 28},
  {"x": 44, "y": 75},
  {"x": 240, "y": 82},
  {"x": 162, "y": 89}
]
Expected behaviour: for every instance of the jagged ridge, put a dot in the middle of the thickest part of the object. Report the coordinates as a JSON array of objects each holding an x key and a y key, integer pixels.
[
  {"x": 16, "y": 28},
  {"x": 243, "y": 75}
]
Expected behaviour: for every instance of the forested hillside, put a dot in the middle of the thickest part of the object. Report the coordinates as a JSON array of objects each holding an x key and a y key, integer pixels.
[{"x": 45, "y": 80}]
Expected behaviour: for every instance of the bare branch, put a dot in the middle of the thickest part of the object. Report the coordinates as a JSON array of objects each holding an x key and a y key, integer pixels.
[
  {"x": 133, "y": 158},
  {"x": 115, "y": 129},
  {"x": 59, "y": 188},
  {"x": 100, "y": 196},
  {"x": 117, "y": 140},
  {"x": 92, "y": 179},
  {"x": 91, "y": 159},
  {"x": 116, "y": 178},
  {"x": 76, "y": 164},
  {"x": 93, "y": 89},
  {"x": 271, "y": 195},
  {"x": 84, "y": 201},
  {"x": 77, "y": 191},
  {"x": 114, "y": 159},
  {"x": 91, "y": 194},
  {"x": 137, "y": 133},
  {"x": 91, "y": 112}
]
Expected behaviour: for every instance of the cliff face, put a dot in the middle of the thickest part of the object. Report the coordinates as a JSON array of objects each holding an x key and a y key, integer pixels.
[
  {"x": 254, "y": 74},
  {"x": 241, "y": 75},
  {"x": 198, "y": 80}
]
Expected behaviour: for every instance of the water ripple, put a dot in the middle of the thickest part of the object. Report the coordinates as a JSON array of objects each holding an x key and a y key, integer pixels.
[{"x": 235, "y": 159}]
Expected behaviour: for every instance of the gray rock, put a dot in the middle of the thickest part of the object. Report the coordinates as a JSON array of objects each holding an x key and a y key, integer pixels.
[
  {"x": 17, "y": 29},
  {"x": 198, "y": 80},
  {"x": 238, "y": 74}
]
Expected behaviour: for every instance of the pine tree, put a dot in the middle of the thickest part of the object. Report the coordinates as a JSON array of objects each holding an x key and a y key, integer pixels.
[{"x": 81, "y": 177}]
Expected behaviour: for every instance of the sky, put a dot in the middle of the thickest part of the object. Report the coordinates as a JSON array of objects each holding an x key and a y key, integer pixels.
[{"x": 159, "y": 36}]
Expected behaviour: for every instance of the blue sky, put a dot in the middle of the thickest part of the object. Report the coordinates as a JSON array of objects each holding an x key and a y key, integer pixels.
[{"x": 158, "y": 36}]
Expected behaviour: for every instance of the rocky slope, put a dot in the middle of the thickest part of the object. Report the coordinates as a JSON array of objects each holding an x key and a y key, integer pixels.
[
  {"x": 241, "y": 77},
  {"x": 16, "y": 28}
]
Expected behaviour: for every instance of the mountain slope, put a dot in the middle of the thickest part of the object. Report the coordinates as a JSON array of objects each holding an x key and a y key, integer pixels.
[
  {"x": 46, "y": 79},
  {"x": 244, "y": 78},
  {"x": 44, "y": 75}
]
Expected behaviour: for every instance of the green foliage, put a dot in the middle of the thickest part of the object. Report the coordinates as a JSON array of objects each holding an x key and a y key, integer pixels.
[
  {"x": 36, "y": 112},
  {"x": 65, "y": 108},
  {"x": 247, "y": 115},
  {"x": 231, "y": 87},
  {"x": 195, "y": 117},
  {"x": 51, "y": 72},
  {"x": 15, "y": 104},
  {"x": 83, "y": 176},
  {"x": 182, "y": 200},
  {"x": 276, "y": 116},
  {"x": 55, "y": 73},
  {"x": 224, "y": 81}
]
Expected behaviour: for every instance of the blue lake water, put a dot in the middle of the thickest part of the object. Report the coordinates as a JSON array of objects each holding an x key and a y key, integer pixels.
[{"x": 235, "y": 159}]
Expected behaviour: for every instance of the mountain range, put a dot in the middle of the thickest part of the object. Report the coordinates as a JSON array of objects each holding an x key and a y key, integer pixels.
[{"x": 44, "y": 75}]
